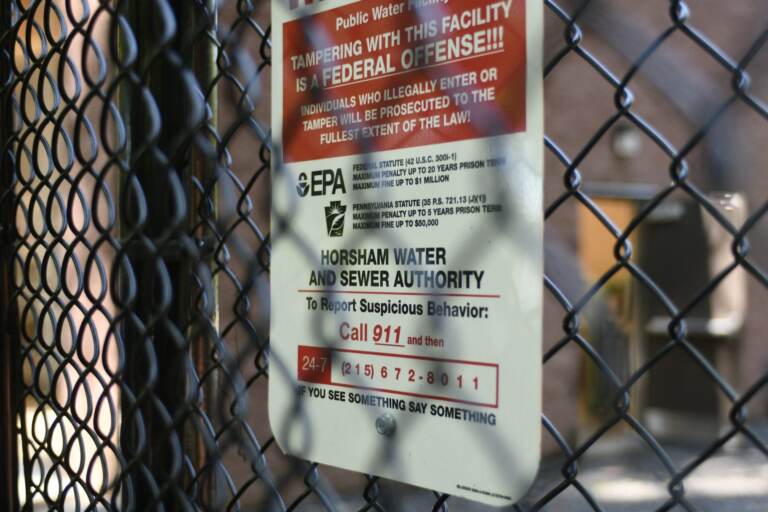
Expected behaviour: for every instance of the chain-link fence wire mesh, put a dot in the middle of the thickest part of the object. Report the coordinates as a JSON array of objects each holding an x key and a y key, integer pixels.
[{"x": 135, "y": 207}]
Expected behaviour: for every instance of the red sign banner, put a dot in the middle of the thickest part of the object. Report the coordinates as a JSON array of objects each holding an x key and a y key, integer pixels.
[{"x": 379, "y": 75}]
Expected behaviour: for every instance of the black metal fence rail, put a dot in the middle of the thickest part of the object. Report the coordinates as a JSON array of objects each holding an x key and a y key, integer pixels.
[{"x": 134, "y": 213}]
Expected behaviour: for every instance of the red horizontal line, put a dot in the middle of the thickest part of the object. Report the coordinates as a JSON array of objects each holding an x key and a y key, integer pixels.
[
  {"x": 416, "y": 395},
  {"x": 389, "y": 345},
  {"x": 404, "y": 294}
]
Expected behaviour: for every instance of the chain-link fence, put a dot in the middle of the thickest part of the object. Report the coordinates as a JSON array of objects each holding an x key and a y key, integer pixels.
[{"x": 134, "y": 215}]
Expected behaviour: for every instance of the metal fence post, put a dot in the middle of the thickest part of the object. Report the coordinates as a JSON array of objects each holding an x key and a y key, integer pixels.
[
  {"x": 204, "y": 209},
  {"x": 147, "y": 339},
  {"x": 9, "y": 334},
  {"x": 195, "y": 166}
]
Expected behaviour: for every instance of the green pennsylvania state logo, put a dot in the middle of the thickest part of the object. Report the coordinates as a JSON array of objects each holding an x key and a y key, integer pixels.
[{"x": 334, "y": 218}]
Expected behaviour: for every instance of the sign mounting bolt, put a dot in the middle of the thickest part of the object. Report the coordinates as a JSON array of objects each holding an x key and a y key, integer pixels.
[{"x": 386, "y": 424}]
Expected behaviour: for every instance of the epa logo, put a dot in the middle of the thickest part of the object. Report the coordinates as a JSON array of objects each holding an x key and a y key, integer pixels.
[
  {"x": 334, "y": 218},
  {"x": 321, "y": 183},
  {"x": 302, "y": 187}
]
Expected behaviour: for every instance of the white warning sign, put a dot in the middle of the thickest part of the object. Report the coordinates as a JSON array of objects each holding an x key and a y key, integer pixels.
[{"x": 407, "y": 222}]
